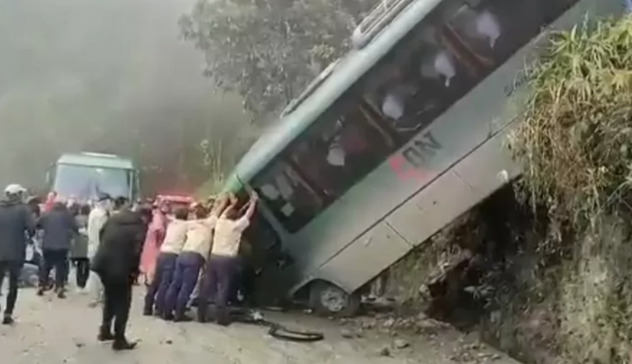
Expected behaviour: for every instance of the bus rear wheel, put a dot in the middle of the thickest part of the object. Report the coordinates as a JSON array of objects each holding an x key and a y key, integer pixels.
[{"x": 330, "y": 300}]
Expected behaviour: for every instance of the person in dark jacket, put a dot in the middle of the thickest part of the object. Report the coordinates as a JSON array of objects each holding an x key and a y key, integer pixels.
[
  {"x": 17, "y": 226},
  {"x": 117, "y": 264},
  {"x": 34, "y": 203},
  {"x": 59, "y": 228}
]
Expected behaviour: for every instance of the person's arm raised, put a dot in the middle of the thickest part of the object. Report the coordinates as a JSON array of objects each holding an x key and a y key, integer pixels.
[
  {"x": 254, "y": 198},
  {"x": 244, "y": 221},
  {"x": 220, "y": 205}
]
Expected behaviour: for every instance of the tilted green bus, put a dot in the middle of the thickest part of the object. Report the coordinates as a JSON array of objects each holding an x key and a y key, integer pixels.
[{"x": 397, "y": 139}]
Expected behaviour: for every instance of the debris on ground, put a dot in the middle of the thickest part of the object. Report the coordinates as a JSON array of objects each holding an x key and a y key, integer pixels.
[
  {"x": 384, "y": 351},
  {"x": 401, "y": 344},
  {"x": 391, "y": 324},
  {"x": 36, "y": 339},
  {"x": 347, "y": 334},
  {"x": 473, "y": 353}
]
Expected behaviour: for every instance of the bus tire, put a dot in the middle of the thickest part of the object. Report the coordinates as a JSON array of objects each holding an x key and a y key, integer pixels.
[{"x": 327, "y": 299}]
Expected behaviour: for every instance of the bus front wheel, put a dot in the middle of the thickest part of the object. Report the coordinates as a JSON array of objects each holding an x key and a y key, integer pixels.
[{"x": 330, "y": 300}]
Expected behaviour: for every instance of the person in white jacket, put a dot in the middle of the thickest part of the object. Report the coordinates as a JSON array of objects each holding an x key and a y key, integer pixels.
[{"x": 97, "y": 218}]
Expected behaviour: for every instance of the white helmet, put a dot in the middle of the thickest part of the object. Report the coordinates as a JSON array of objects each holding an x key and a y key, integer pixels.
[{"x": 14, "y": 189}]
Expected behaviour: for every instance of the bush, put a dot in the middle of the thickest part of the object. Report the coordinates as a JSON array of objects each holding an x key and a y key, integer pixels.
[
  {"x": 575, "y": 144},
  {"x": 576, "y": 138}
]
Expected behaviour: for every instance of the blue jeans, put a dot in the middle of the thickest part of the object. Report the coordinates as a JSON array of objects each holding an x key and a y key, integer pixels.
[
  {"x": 157, "y": 290},
  {"x": 185, "y": 278}
]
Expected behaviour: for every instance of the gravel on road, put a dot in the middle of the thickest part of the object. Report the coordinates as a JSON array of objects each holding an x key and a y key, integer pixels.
[{"x": 53, "y": 331}]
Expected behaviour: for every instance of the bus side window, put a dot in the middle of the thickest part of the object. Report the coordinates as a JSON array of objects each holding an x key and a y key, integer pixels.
[
  {"x": 347, "y": 143},
  {"x": 420, "y": 82},
  {"x": 491, "y": 31},
  {"x": 288, "y": 196},
  {"x": 313, "y": 166},
  {"x": 453, "y": 49}
]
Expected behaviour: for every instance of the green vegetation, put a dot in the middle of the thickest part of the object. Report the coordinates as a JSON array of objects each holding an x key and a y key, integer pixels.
[
  {"x": 576, "y": 146},
  {"x": 576, "y": 140},
  {"x": 267, "y": 51}
]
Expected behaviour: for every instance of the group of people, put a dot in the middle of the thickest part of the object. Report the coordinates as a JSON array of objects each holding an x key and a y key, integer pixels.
[
  {"x": 114, "y": 242},
  {"x": 201, "y": 243},
  {"x": 61, "y": 228}
]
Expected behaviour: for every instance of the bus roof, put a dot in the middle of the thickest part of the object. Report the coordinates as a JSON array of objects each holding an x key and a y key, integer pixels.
[
  {"x": 346, "y": 72},
  {"x": 96, "y": 160}
]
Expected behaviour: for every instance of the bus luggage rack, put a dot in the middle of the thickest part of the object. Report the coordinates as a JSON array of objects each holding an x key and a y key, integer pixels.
[{"x": 381, "y": 15}]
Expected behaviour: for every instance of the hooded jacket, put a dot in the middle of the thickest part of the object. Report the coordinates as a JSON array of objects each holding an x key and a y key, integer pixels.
[
  {"x": 121, "y": 241},
  {"x": 59, "y": 228},
  {"x": 17, "y": 226}
]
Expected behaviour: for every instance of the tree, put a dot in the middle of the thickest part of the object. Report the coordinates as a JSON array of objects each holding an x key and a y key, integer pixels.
[{"x": 266, "y": 50}]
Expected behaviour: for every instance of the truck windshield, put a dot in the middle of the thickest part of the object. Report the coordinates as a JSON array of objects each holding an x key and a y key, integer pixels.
[{"x": 87, "y": 182}]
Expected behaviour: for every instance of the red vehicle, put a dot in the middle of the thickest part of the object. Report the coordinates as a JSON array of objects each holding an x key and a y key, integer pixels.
[{"x": 175, "y": 200}]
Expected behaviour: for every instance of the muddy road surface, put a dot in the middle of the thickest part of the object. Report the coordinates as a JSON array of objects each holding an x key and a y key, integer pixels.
[{"x": 53, "y": 331}]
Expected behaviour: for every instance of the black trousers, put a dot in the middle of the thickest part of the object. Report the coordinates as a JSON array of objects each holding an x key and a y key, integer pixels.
[
  {"x": 82, "y": 271},
  {"x": 217, "y": 284},
  {"x": 118, "y": 299},
  {"x": 12, "y": 269},
  {"x": 244, "y": 284},
  {"x": 57, "y": 259}
]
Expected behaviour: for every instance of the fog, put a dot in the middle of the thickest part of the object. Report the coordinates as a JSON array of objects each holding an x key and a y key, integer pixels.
[{"x": 94, "y": 76}]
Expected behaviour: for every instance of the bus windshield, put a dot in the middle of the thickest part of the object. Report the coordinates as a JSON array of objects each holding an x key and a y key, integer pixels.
[{"x": 87, "y": 182}]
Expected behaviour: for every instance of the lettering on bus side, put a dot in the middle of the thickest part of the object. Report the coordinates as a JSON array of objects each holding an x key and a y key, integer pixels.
[
  {"x": 411, "y": 161},
  {"x": 421, "y": 150}
]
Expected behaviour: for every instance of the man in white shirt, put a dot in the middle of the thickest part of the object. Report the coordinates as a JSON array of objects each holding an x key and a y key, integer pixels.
[
  {"x": 96, "y": 219},
  {"x": 172, "y": 245},
  {"x": 222, "y": 265},
  {"x": 194, "y": 254}
]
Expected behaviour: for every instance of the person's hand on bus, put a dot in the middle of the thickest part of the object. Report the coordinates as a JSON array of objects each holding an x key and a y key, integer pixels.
[
  {"x": 252, "y": 204},
  {"x": 254, "y": 197},
  {"x": 220, "y": 205},
  {"x": 220, "y": 199},
  {"x": 232, "y": 198}
]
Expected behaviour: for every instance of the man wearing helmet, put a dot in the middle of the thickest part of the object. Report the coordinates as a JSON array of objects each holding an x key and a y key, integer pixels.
[{"x": 17, "y": 226}]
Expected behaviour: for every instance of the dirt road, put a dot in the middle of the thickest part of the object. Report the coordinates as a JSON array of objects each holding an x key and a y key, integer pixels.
[{"x": 52, "y": 331}]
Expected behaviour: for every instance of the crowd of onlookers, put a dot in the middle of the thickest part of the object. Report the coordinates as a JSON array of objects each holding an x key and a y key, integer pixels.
[{"x": 177, "y": 252}]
